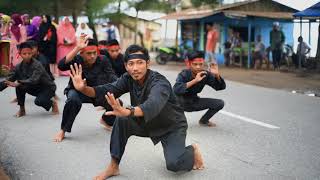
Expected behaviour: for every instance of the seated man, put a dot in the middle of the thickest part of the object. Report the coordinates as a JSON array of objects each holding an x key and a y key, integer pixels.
[
  {"x": 30, "y": 77},
  {"x": 191, "y": 81},
  {"x": 154, "y": 113},
  {"x": 97, "y": 71}
]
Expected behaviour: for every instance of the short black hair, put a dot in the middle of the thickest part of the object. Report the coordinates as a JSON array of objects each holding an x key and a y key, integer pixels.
[
  {"x": 210, "y": 24},
  {"x": 134, "y": 49},
  {"x": 33, "y": 44},
  {"x": 92, "y": 42},
  {"x": 195, "y": 54},
  {"x": 112, "y": 42},
  {"x": 24, "y": 45},
  {"x": 103, "y": 42}
]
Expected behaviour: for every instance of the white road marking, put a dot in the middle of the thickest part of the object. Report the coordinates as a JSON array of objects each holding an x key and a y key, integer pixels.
[{"x": 249, "y": 120}]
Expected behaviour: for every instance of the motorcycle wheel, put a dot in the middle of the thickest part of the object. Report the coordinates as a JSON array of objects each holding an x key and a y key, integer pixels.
[{"x": 160, "y": 60}]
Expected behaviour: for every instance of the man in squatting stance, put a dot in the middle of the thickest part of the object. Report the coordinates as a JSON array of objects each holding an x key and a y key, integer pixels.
[
  {"x": 96, "y": 71},
  {"x": 154, "y": 113},
  {"x": 30, "y": 77},
  {"x": 191, "y": 81}
]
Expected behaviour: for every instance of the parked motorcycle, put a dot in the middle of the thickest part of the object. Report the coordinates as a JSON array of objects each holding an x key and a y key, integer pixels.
[{"x": 169, "y": 54}]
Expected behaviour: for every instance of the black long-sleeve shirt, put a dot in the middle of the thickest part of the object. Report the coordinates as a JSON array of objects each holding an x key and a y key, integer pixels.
[
  {"x": 180, "y": 87},
  {"x": 45, "y": 63},
  {"x": 156, "y": 99},
  {"x": 99, "y": 73},
  {"x": 117, "y": 64},
  {"x": 30, "y": 74}
]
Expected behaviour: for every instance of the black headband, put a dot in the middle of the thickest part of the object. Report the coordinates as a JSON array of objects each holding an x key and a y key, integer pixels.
[{"x": 137, "y": 56}]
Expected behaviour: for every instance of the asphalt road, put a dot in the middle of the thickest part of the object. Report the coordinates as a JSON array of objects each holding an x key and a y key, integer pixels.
[{"x": 261, "y": 134}]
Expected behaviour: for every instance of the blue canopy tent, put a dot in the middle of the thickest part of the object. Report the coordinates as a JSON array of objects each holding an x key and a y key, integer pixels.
[{"x": 312, "y": 14}]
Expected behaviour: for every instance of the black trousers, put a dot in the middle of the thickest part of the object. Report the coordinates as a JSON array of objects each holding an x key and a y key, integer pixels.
[
  {"x": 199, "y": 104},
  {"x": 276, "y": 57},
  {"x": 178, "y": 157},
  {"x": 43, "y": 95},
  {"x": 72, "y": 108}
]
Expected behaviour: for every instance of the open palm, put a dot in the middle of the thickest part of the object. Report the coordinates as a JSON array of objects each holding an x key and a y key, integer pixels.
[
  {"x": 76, "y": 76},
  {"x": 118, "y": 110}
]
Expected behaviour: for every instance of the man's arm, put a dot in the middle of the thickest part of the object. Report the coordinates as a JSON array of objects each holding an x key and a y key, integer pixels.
[
  {"x": 38, "y": 71},
  {"x": 11, "y": 77},
  {"x": 65, "y": 63},
  {"x": 157, "y": 99},
  {"x": 181, "y": 86},
  {"x": 118, "y": 87},
  {"x": 214, "y": 79}
]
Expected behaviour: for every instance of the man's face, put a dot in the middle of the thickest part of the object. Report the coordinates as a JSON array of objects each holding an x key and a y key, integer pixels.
[
  {"x": 34, "y": 51},
  {"x": 89, "y": 56},
  {"x": 26, "y": 54},
  {"x": 114, "y": 51},
  {"x": 196, "y": 66},
  {"x": 137, "y": 68}
]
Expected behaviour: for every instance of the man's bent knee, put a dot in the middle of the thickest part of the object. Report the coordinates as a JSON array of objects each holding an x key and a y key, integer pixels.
[{"x": 172, "y": 166}]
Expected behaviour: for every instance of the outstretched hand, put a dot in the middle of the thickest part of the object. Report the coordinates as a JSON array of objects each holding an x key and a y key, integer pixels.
[
  {"x": 82, "y": 42},
  {"x": 76, "y": 77},
  {"x": 118, "y": 110},
  {"x": 11, "y": 84},
  {"x": 214, "y": 69}
]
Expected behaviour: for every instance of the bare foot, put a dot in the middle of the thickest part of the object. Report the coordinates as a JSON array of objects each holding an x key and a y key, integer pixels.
[
  {"x": 105, "y": 125},
  {"x": 111, "y": 170},
  {"x": 20, "y": 113},
  {"x": 55, "y": 108},
  {"x": 100, "y": 108},
  {"x": 208, "y": 124},
  {"x": 14, "y": 100},
  {"x": 59, "y": 137},
  {"x": 198, "y": 161}
]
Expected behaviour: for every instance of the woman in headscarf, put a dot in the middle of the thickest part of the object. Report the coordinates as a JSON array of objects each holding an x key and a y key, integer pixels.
[
  {"x": 66, "y": 40},
  {"x": 48, "y": 42},
  {"x": 18, "y": 34},
  {"x": 32, "y": 30},
  {"x": 5, "y": 27},
  {"x": 83, "y": 28},
  {"x": 36, "y": 21}
]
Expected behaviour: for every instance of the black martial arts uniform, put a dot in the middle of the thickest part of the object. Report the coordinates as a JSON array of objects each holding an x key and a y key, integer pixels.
[
  {"x": 33, "y": 80},
  {"x": 163, "y": 121},
  {"x": 189, "y": 99},
  {"x": 117, "y": 64},
  {"x": 100, "y": 73},
  {"x": 45, "y": 63}
]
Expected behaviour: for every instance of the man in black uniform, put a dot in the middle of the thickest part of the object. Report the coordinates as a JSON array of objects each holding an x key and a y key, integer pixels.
[
  {"x": 97, "y": 71},
  {"x": 115, "y": 57},
  {"x": 154, "y": 113},
  {"x": 191, "y": 81},
  {"x": 30, "y": 77},
  {"x": 40, "y": 57}
]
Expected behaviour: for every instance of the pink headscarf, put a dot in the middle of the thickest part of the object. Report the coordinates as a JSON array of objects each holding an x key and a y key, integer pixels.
[
  {"x": 36, "y": 21},
  {"x": 15, "y": 29},
  {"x": 66, "y": 29}
]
